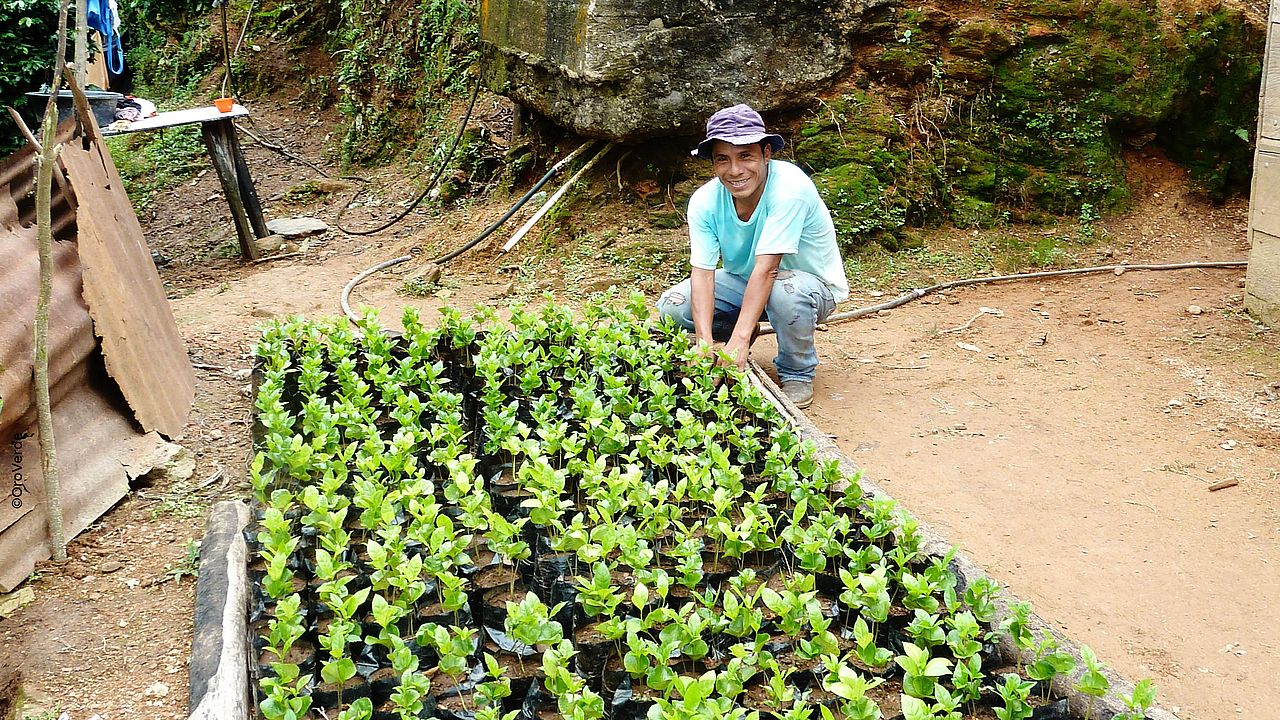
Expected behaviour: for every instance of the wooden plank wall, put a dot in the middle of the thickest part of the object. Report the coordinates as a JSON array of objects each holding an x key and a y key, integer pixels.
[{"x": 1262, "y": 284}]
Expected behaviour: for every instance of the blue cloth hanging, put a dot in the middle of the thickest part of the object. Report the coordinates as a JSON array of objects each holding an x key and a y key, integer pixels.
[{"x": 101, "y": 17}]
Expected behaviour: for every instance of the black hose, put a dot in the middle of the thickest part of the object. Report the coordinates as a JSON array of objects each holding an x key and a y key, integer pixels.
[
  {"x": 345, "y": 297},
  {"x": 462, "y": 128}
]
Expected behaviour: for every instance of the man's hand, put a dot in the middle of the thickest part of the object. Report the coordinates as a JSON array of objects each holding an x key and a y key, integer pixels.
[
  {"x": 706, "y": 348},
  {"x": 738, "y": 351}
]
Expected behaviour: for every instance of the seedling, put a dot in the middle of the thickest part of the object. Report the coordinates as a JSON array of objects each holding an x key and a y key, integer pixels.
[
  {"x": 1092, "y": 682},
  {"x": 1014, "y": 691},
  {"x": 1138, "y": 702},
  {"x": 1049, "y": 662},
  {"x": 921, "y": 670},
  {"x": 845, "y": 682}
]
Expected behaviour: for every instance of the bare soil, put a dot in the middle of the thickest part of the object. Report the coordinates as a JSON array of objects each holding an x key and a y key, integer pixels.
[{"x": 1070, "y": 453}]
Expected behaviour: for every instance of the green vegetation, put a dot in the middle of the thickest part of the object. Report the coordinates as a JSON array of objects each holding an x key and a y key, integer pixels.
[
  {"x": 495, "y": 501},
  {"x": 400, "y": 63},
  {"x": 151, "y": 162},
  {"x": 26, "y": 59},
  {"x": 394, "y": 66},
  {"x": 1032, "y": 125}
]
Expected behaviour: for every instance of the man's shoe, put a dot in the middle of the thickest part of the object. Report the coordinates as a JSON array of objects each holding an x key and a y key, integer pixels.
[{"x": 798, "y": 392}]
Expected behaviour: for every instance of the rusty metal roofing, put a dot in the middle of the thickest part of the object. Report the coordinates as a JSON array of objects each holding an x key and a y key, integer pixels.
[
  {"x": 98, "y": 434},
  {"x": 130, "y": 311}
]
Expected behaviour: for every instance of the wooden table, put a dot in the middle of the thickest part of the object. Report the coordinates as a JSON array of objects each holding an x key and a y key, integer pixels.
[{"x": 219, "y": 134}]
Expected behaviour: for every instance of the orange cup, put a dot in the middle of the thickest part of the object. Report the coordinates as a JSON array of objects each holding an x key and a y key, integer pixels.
[{"x": 224, "y": 104}]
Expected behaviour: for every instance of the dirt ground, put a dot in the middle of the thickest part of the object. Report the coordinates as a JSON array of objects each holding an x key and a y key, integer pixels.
[{"x": 1066, "y": 441}]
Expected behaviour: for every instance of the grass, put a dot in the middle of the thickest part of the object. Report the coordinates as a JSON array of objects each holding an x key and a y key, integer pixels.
[
  {"x": 188, "y": 566},
  {"x": 154, "y": 162},
  {"x": 954, "y": 256}
]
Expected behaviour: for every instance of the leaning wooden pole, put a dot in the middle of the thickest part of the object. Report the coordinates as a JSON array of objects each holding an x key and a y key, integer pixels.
[
  {"x": 82, "y": 43},
  {"x": 45, "y": 164}
]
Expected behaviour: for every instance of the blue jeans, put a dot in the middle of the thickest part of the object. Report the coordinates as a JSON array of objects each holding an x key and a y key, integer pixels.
[{"x": 798, "y": 302}]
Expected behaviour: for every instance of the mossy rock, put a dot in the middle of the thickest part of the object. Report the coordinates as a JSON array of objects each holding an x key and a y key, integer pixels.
[
  {"x": 829, "y": 149},
  {"x": 851, "y": 128},
  {"x": 1210, "y": 125},
  {"x": 858, "y": 205},
  {"x": 972, "y": 169},
  {"x": 935, "y": 20},
  {"x": 981, "y": 40},
  {"x": 968, "y": 70},
  {"x": 1064, "y": 9},
  {"x": 970, "y": 212},
  {"x": 905, "y": 63}
]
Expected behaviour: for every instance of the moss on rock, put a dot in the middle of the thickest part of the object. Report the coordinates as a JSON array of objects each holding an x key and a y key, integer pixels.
[
  {"x": 981, "y": 39},
  {"x": 1001, "y": 123}
]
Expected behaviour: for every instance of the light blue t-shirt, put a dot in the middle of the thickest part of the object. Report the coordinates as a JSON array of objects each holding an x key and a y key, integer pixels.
[{"x": 791, "y": 220}]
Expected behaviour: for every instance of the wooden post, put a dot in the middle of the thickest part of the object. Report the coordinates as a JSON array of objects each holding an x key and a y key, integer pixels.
[
  {"x": 248, "y": 194},
  {"x": 219, "y": 137},
  {"x": 1262, "y": 283},
  {"x": 82, "y": 44}
]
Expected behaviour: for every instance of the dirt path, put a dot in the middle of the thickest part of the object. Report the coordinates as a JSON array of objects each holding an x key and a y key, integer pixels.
[
  {"x": 1069, "y": 454},
  {"x": 1069, "y": 449}
]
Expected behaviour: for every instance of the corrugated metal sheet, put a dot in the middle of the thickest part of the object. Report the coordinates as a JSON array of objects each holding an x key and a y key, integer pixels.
[
  {"x": 97, "y": 434},
  {"x": 94, "y": 441},
  {"x": 18, "y": 173},
  {"x": 140, "y": 340}
]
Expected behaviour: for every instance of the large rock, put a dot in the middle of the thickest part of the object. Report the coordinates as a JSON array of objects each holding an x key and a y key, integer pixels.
[{"x": 631, "y": 69}]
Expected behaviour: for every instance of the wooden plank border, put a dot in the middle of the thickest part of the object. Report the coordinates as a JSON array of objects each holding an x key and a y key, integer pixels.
[{"x": 220, "y": 650}]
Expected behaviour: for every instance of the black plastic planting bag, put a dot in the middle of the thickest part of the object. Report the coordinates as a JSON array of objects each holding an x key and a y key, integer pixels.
[
  {"x": 1053, "y": 711},
  {"x": 625, "y": 706},
  {"x": 507, "y": 643},
  {"x": 535, "y": 701}
]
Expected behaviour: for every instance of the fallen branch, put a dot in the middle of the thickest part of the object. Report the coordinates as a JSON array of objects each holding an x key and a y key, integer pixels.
[
  {"x": 1223, "y": 485},
  {"x": 217, "y": 474},
  {"x": 981, "y": 311},
  {"x": 281, "y": 256},
  {"x": 280, "y": 149}
]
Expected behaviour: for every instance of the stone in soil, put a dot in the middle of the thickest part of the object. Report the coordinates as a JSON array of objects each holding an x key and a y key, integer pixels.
[{"x": 297, "y": 227}]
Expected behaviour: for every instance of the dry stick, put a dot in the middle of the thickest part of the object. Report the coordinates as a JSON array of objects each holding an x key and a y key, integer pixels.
[
  {"x": 1223, "y": 485},
  {"x": 280, "y": 149},
  {"x": 35, "y": 144},
  {"x": 981, "y": 312},
  {"x": 44, "y": 241},
  {"x": 281, "y": 256}
]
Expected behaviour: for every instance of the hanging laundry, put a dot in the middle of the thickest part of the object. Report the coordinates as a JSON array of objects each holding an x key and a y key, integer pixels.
[{"x": 103, "y": 17}]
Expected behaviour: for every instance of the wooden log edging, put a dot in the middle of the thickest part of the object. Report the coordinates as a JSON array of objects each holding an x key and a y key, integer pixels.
[
  {"x": 219, "y": 668},
  {"x": 967, "y": 571}
]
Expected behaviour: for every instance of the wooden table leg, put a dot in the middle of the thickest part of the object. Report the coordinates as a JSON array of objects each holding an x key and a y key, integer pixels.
[
  {"x": 248, "y": 194},
  {"x": 218, "y": 137}
]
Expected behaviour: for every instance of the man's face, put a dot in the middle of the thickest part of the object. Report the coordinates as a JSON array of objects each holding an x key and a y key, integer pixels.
[{"x": 742, "y": 169}]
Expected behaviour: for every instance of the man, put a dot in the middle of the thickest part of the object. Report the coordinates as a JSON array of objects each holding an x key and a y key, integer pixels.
[{"x": 763, "y": 222}]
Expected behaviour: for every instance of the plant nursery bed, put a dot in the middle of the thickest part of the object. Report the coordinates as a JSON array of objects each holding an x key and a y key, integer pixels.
[{"x": 587, "y": 517}]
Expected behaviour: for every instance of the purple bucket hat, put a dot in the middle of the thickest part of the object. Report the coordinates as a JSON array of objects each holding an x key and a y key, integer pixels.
[{"x": 737, "y": 125}]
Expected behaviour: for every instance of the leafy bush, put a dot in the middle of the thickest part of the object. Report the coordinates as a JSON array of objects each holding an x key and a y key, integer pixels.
[{"x": 26, "y": 57}]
